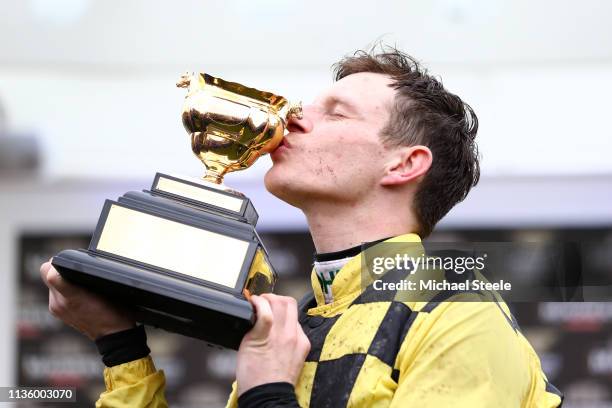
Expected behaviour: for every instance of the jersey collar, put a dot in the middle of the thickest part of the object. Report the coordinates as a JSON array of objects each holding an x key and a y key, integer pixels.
[{"x": 349, "y": 282}]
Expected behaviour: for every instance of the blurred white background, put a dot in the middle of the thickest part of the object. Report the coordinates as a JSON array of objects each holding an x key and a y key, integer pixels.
[
  {"x": 94, "y": 83},
  {"x": 95, "y": 79}
]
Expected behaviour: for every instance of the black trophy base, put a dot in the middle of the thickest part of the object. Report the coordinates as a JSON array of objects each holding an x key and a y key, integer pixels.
[{"x": 159, "y": 300}]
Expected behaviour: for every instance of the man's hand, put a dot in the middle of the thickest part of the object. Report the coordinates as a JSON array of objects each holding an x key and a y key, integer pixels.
[
  {"x": 88, "y": 313},
  {"x": 275, "y": 348}
]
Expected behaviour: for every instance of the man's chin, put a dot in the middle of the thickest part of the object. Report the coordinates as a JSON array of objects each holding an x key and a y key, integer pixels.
[
  {"x": 272, "y": 180},
  {"x": 280, "y": 186}
]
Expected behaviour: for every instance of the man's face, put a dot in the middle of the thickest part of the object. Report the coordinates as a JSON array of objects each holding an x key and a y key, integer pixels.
[{"x": 335, "y": 152}]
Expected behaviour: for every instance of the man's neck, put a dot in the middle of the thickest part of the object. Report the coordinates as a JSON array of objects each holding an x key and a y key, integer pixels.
[{"x": 334, "y": 228}]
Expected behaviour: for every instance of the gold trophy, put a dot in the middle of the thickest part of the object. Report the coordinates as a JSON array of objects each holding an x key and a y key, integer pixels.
[{"x": 184, "y": 255}]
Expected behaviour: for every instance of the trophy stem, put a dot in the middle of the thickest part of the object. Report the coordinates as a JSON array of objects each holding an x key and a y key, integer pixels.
[{"x": 213, "y": 177}]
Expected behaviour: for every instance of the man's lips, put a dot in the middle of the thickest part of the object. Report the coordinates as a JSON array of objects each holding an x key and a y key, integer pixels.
[
  {"x": 282, "y": 146},
  {"x": 284, "y": 143}
]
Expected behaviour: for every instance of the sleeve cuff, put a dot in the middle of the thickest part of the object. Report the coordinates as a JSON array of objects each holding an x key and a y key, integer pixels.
[
  {"x": 124, "y": 346},
  {"x": 278, "y": 394}
]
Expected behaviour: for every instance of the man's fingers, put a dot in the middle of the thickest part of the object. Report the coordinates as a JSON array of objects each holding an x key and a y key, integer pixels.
[
  {"x": 303, "y": 342},
  {"x": 277, "y": 318},
  {"x": 57, "y": 304},
  {"x": 55, "y": 281},
  {"x": 291, "y": 313},
  {"x": 279, "y": 306},
  {"x": 284, "y": 310},
  {"x": 265, "y": 318},
  {"x": 44, "y": 271}
]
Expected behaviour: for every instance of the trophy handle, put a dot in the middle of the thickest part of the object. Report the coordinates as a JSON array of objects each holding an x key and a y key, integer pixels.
[{"x": 295, "y": 109}]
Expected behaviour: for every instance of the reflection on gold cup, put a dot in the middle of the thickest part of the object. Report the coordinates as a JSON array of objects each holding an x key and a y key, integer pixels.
[{"x": 232, "y": 125}]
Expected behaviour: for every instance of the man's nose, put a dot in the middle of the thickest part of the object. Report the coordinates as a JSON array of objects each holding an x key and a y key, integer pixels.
[{"x": 303, "y": 125}]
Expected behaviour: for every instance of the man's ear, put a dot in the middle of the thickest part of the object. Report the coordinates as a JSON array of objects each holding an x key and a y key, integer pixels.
[{"x": 408, "y": 164}]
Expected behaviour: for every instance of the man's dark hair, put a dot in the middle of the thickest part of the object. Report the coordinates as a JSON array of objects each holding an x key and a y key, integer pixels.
[{"x": 424, "y": 113}]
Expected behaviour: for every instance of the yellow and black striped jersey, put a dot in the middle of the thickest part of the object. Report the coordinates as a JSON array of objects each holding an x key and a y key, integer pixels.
[{"x": 371, "y": 351}]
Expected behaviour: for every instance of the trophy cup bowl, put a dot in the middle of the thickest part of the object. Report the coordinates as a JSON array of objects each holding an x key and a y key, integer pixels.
[
  {"x": 231, "y": 125},
  {"x": 184, "y": 255}
]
